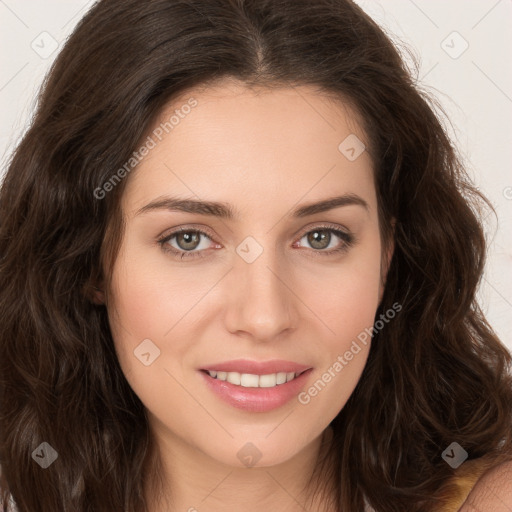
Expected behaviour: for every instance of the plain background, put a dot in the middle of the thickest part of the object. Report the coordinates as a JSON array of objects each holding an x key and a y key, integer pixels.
[{"x": 464, "y": 49}]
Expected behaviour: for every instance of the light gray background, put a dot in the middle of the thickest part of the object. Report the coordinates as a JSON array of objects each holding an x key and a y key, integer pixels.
[{"x": 473, "y": 84}]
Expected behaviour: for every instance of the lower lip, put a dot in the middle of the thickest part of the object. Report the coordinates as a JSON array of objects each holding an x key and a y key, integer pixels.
[{"x": 256, "y": 399}]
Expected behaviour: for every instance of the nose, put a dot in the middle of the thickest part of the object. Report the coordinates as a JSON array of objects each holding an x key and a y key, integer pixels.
[{"x": 261, "y": 303}]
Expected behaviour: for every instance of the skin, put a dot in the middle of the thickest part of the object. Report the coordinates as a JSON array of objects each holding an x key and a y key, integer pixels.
[
  {"x": 492, "y": 492},
  {"x": 264, "y": 153}
]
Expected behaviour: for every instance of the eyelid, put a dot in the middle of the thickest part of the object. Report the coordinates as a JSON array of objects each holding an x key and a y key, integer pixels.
[
  {"x": 322, "y": 225},
  {"x": 189, "y": 227}
]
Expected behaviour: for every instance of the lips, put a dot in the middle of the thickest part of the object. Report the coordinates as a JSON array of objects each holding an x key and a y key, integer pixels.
[
  {"x": 256, "y": 367},
  {"x": 256, "y": 399},
  {"x": 245, "y": 395}
]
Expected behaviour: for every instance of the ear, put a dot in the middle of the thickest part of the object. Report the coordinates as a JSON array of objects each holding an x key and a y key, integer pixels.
[
  {"x": 98, "y": 296},
  {"x": 386, "y": 261},
  {"x": 95, "y": 293}
]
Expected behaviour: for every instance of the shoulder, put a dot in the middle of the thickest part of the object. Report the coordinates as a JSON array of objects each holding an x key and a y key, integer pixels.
[{"x": 492, "y": 491}]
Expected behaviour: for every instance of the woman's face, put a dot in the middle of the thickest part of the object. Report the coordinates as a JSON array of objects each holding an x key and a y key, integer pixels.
[{"x": 277, "y": 287}]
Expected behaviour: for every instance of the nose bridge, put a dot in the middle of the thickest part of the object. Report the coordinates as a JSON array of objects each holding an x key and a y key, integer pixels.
[{"x": 260, "y": 302}]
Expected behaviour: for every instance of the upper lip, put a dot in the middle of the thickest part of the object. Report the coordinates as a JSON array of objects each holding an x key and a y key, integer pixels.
[{"x": 256, "y": 367}]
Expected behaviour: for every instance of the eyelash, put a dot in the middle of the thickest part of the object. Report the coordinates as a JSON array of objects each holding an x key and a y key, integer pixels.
[{"x": 348, "y": 241}]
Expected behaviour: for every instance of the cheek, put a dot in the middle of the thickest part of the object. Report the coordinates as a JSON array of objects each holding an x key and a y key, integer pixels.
[
  {"x": 142, "y": 310},
  {"x": 346, "y": 304},
  {"x": 142, "y": 307},
  {"x": 345, "y": 297},
  {"x": 147, "y": 299},
  {"x": 344, "y": 356}
]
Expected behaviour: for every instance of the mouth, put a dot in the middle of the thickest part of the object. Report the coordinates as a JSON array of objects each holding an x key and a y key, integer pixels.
[
  {"x": 252, "y": 380},
  {"x": 253, "y": 392}
]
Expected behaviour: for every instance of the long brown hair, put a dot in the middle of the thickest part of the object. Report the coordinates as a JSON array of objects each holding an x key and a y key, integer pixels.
[{"x": 436, "y": 374}]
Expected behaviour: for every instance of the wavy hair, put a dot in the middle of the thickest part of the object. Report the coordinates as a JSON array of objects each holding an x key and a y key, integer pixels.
[{"x": 436, "y": 374}]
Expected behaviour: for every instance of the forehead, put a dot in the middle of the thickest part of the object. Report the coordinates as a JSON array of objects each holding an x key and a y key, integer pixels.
[
  {"x": 241, "y": 112},
  {"x": 253, "y": 145}
]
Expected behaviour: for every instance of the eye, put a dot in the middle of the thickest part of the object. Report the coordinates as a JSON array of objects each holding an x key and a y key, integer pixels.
[
  {"x": 188, "y": 243},
  {"x": 323, "y": 240}
]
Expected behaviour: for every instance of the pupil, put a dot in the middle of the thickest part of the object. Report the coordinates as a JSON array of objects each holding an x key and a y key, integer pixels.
[
  {"x": 191, "y": 240},
  {"x": 317, "y": 239}
]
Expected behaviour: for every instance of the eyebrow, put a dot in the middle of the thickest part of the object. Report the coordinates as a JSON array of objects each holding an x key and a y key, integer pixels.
[{"x": 226, "y": 211}]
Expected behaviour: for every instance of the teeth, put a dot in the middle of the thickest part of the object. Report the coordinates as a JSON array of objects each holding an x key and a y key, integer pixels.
[
  {"x": 234, "y": 378},
  {"x": 268, "y": 381},
  {"x": 249, "y": 380},
  {"x": 281, "y": 377}
]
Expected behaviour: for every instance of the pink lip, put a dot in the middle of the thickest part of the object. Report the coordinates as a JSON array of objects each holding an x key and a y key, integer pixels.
[
  {"x": 257, "y": 368},
  {"x": 256, "y": 399}
]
